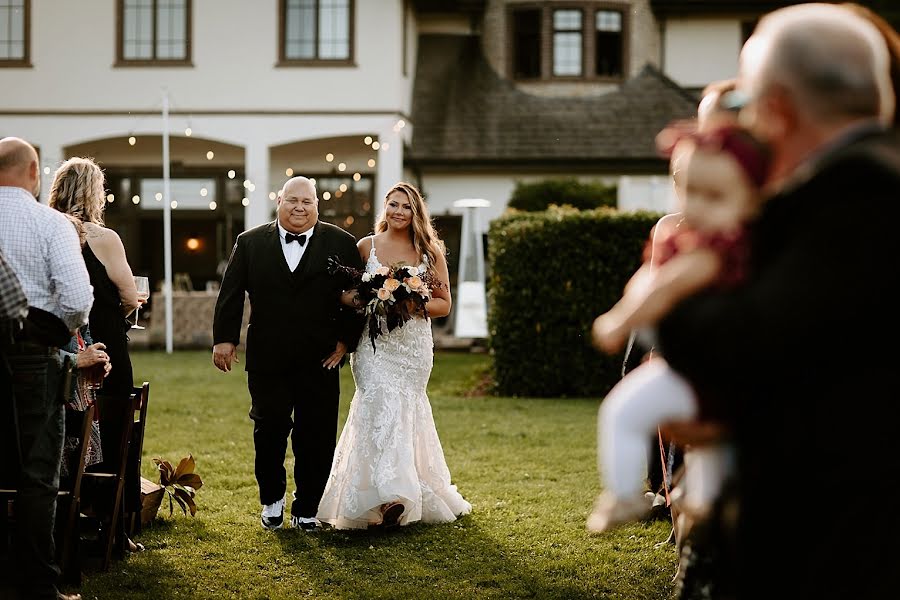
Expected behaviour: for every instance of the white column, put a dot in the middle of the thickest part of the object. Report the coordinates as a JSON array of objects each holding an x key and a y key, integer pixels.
[
  {"x": 389, "y": 165},
  {"x": 52, "y": 154},
  {"x": 256, "y": 168}
]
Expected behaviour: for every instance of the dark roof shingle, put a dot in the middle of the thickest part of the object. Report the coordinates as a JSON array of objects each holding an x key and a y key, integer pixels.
[{"x": 464, "y": 112}]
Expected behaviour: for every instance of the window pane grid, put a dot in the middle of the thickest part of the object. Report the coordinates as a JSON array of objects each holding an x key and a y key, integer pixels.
[
  {"x": 171, "y": 30},
  {"x": 317, "y": 30},
  {"x": 12, "y": 30},
  {"x": 567, "y": 20},
  {"x": 155, "y": 30},
  {"x": 567, "y": 54},
  {"x": 609, "y": 44},
  {"x": 609, "y": 20}
]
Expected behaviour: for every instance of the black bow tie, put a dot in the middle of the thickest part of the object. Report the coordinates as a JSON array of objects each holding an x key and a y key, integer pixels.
[{"x": 292, "y": 237}]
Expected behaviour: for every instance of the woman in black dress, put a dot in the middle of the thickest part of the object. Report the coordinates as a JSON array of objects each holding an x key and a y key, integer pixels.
[{"x": 78, "y": 191}]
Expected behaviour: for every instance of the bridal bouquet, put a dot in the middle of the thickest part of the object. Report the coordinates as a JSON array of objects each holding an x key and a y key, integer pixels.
[{"x": 391, "y": 295}]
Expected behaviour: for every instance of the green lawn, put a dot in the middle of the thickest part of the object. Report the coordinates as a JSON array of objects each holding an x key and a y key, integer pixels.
[{"x": 527, "y": 466}]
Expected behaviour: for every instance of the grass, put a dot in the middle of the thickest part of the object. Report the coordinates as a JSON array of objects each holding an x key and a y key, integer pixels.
[{"x": 527, "y": 466}]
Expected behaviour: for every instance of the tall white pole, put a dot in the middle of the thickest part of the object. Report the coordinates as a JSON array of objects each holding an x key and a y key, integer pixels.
[{"x": 167, "y": 222}]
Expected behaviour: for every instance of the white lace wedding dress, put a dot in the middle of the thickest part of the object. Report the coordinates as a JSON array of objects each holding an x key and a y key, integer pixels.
[{"x": 389, "y": 448}]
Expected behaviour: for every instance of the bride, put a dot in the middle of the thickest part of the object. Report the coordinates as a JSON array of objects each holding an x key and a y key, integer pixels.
[{"x": 389, "y": 467}]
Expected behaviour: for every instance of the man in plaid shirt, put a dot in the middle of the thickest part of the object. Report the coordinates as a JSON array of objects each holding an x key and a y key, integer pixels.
[{"x": 42, "y": 248}]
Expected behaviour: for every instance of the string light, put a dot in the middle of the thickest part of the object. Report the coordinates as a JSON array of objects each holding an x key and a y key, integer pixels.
[
  {"x": 342, "y": 167},
  {"x": 212, "y": 205},
  {"x": 174, "y": 204},
  {"x": 385, "y": 146},
  {"x": 245, "y": 201},
  {"x": 401, "y": 124},
  {"x": 111, "y": 198},
  {"x": 371, "y": 162},
  {"x": 312, "y": 180},
  {"x": 357, "y": 177},
  {"x": 368, "y": 140},
  {"x": 204, "y": 192},
  {"x": 375, "y": 145},
  {"x": 329, "y": 157},
  {"x": 231, "y": 174},
  {"x": 158, "y": 196},
  {"x": 210, "y": 155},
  {"x": 247, "y": 183},
  {"x": 132, "y": 141},
  {"x": 326, "y": 196},
  {"x": 338, "y": 194},
  {"x": 188, "y": 131},
  {"x": 272, "y": 195},
  {"x": 343, "y": 187},
  {"x": 251, "y": 188},
  {"x": 46, "y": 170},
  {"x": 289, "y": 172},
  {"x": 135, "y": 199}
]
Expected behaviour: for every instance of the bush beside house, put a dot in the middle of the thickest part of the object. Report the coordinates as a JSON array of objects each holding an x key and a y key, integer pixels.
[
  {"x": 552, "y": 273},
  {"x": 540, "y": 195}
]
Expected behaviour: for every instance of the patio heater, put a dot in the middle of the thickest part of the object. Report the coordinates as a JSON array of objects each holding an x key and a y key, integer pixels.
[{"x": 469, "y": 297}]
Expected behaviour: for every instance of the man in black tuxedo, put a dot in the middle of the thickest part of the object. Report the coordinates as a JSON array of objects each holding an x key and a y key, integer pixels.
[
  {"x": 804, "y": 355},
  {"x": 296, "y": 342}
]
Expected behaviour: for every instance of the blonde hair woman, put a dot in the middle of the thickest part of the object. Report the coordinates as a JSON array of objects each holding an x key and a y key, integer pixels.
[
  {"x": 77, "y": 190},
  {"x": 389, "y": 467}
]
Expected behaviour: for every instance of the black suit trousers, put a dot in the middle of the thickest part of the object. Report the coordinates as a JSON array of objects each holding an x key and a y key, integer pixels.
[{"x": 304, "y": 405}]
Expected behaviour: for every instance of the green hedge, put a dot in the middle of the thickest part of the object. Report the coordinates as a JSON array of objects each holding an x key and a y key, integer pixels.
[
  {"x": 539, "y": 196},
  {"x": 552, "y": 273}
]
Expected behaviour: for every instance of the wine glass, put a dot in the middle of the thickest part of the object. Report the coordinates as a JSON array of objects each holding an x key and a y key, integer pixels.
[{"x": 143, "y": 293}]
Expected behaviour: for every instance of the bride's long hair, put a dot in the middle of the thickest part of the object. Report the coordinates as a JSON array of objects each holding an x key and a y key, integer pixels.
[{"x": 422, "y": 233}]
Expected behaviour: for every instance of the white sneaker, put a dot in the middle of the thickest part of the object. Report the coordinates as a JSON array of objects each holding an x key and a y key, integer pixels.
[
  {"x": 273, "y": 515},
  {"x": 305, "y": 523}
]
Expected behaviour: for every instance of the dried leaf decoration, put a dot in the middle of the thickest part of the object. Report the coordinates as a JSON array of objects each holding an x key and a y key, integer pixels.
[{"x": 180, "y": 483}]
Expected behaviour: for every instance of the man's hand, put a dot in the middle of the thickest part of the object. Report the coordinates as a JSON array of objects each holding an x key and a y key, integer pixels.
[
  {"x": 223, "y": 355},
  {"x": 334, "y": 359}
]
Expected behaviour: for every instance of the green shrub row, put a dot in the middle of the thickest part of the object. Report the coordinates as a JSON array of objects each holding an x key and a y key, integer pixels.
[
  {"x": 552, "y": 273},
  {"x": 540, "y": 195}
]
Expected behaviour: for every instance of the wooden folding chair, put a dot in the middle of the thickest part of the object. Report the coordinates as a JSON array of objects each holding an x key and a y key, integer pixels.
[
  {"x": 133, "y": 470},
  {"x": 67, "y": 532},
  {"x": 105, "y": 482}
]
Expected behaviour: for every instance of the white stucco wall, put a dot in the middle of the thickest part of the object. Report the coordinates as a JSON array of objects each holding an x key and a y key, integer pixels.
[
  {"x": 233, "y": 93},
  {"x": 234, "y": 53},
  {"x": 699, "y": 51},
  {"x": 651, "y": 192}
]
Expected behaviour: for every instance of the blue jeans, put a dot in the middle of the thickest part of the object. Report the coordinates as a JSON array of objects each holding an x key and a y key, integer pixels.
[{"x": 36, "y": 382}]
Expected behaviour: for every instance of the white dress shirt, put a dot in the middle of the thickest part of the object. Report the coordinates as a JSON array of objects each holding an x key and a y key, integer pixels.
[
  {"x": 293, "y": 252},
  {"x": 42, "y": 247}
]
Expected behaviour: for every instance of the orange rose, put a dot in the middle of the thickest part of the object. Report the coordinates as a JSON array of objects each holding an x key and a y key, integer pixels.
[
  {"x": 415, "y": 282},
  {"x": 391, "y": 284},
  {"x": 383, "y": 294},
  {"x": 382, "y": 271}
]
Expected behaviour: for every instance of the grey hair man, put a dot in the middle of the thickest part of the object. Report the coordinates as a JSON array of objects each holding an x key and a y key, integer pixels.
[
  {"x": 42, "y": 247},
  {"x": 810, "y": 419}
]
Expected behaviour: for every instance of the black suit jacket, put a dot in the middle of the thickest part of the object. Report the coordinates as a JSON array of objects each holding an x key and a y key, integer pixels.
[
  {"x": 294, "y": 316},
  {"x": 804, "y": 360}
]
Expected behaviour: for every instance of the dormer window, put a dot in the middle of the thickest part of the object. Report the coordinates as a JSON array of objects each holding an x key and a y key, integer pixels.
[{"x": 583, "y": 41}]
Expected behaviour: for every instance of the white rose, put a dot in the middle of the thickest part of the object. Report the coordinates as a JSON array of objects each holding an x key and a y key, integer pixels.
[{"x": 367, "y": 277}]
